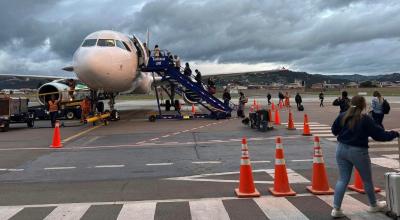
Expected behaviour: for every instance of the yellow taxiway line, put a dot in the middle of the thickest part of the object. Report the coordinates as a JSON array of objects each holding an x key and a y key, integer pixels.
[{"x": 80, "y": 134}]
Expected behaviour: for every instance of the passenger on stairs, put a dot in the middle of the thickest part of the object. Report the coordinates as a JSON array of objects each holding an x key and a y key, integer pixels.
[
  {"x": 198, "y": 77},
  {"x": 177, "y": 62},
  {"x": 353, "y": 128},
  {"x": 226, "y": 96},
  {"x": 148, "y": 52},
  {"x": 211, "y": 86},
  {"x": 187, "y": 71},
  {"x": 157, "y": 51}
]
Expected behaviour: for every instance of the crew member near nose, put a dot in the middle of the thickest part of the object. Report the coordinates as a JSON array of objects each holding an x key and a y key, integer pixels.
[
  {"x": 53, "y": 109},
  {"x": 85, "y": 108}
]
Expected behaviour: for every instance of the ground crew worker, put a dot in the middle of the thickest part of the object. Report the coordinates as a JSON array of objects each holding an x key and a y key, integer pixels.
[
  {"x": 298, "y": 100},
  {"x": 321, "y": 98},
  {"x": 157, "y": 51},
  {"x": 226, "y": 96},
  {"x": 85, "y": 108},
  {"x": 353, "y": 128},
  {"x": 71, "y": 84},
  {"x": 53, "y": 109}
]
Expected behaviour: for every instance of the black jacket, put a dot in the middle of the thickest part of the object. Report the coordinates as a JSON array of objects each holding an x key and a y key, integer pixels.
[
  {"x": 343, "y": 103},
  {"x": 358, "y": 136},
  {"x": 298, "y": 99}
]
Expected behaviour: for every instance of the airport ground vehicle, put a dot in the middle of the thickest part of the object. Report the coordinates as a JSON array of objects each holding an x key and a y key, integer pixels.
[
  {"x": 68, "y": 110},
  {"x": 14, "y": 110}
]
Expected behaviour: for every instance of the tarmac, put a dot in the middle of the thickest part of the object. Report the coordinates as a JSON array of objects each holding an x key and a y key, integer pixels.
[{"x": 174, "y": 169}]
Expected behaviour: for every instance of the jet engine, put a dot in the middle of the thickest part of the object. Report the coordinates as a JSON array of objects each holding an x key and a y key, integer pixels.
[{"x": 58, "y": 89}]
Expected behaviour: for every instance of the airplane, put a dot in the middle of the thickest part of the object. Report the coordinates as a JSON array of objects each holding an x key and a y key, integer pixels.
[{"x": 109, "y": 63}]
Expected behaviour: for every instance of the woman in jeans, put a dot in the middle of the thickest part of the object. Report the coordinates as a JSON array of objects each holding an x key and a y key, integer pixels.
[
  {"x": 352, "y": 129},
  {"x": 377, "y": 110}
]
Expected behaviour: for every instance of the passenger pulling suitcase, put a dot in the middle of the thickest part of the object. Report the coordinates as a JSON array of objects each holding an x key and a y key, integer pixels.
[
  {"x": 392, "y": 187},
  {"x": 300, "y": 108}
]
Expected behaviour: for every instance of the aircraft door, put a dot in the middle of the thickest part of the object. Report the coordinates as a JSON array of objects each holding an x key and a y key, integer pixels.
[{"x": 143, "y": 57}]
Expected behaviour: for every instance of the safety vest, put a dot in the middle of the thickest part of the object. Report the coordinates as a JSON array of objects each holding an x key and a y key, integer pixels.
[
  {"x": 85, "y": 105},
  {"x": 53, "y": 106}
]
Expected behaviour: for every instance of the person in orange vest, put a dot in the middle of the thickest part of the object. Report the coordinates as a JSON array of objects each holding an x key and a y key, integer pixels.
[
  {"x": 85, "y": 108},
  {"x": 53, "y": 109},
  {"x": 287, "y": 100}
]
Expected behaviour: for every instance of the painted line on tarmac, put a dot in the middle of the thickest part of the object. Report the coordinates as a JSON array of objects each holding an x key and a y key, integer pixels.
[
  {"x": 305, "y": 160},
  {"x": 59, "y": 168},
  {"x": 110, "y": 166},
  {"x": 206, "y": 162},
  {"x": 80, "y": 134},
  {"x": 383, "y": 149},
  {"x": 156, "y": 201},
  {"x": 146, "y": 144},
  {"x": 11, "y": 170},
  {"x": 261, "y": 161},
  {"x": 159, "y": 164}
]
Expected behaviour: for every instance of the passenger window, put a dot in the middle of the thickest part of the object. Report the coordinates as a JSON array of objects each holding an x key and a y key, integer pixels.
[
  {"x": 106, "y": 43},
  {"x": 89, "y": 43},
  {"x": 127, "y": 47}
]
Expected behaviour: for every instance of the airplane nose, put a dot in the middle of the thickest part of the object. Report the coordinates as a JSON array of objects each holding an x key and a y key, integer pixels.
[{"x": 93, "y": 62}]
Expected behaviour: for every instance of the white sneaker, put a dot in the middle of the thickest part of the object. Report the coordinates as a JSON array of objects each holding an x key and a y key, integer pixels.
[
  {"x": 337, "y": 213},
  {"x": 380, "y": 206}
]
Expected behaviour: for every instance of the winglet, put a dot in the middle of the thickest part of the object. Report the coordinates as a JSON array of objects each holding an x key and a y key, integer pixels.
[{"x": 68, "y": 68}]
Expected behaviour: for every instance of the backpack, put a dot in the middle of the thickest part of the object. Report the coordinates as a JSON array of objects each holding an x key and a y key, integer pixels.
[{"x": 385, "y": 107}]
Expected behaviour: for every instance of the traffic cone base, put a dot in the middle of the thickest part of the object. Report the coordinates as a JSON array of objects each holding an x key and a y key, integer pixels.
[
  {"x": 281, "y": 194},
  {"x": 361, "y": 190},
  {"x": 307, "y": 134},
  {"x": 319, "y": 192},
  {"x": 247, "y": 195}
]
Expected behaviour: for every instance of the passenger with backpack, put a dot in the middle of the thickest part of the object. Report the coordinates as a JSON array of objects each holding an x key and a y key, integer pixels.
[
  {"x": 321, "y": 99},
  {"x": 353, "y": 128},
  {"x": 298, "y": 100},
  {"x": 343, "y": 102},
  {"x": 377, "y": 106}
]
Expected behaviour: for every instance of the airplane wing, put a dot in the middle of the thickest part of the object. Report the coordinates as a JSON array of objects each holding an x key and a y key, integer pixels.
[{"x": 23, "y": 76}]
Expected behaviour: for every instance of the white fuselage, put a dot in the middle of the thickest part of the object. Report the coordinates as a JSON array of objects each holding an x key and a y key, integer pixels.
[{"x": 108, "y": 61}]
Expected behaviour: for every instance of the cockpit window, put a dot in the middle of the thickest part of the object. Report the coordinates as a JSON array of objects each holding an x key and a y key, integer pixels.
[
  {"x": 122, "y": 45},
  {"x": 106, "y": 43},
  {"x": 89, "y": 43}
]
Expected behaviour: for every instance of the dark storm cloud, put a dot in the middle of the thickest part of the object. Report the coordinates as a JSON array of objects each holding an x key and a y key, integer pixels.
[{"x": 335, "y": 36}]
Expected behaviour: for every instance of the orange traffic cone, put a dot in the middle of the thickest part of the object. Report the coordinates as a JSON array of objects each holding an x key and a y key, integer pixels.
[
  {"x": 193, "y": 109},
  {"x": 270, "y": 115},
  {"x": 56, "y": 136},
  {"x": 246, "y": 182},
  {"x": 358, "y": 185},
  {"x": 320, "y": 185},
  {"x": 251, "y": 108},
  {"x": 281, "y": 105},
  {"x": 281, "y": 181},
  {"x": 277, "y": 118},
  {"x": 273, "y": 106},
  {"x": 254, "y": 102},
  {"x": 291, "y": 122},
  {"x": 306, "y": 127}
]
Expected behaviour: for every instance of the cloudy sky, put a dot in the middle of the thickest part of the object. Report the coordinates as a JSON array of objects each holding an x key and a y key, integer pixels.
[{"x": 317, "y": 36}]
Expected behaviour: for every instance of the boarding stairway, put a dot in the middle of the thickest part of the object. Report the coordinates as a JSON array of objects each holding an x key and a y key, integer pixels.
[{"x": 186, "y": 86}]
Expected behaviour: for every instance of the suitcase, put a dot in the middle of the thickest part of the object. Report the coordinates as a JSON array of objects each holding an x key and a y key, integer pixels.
[
  {"x": 392, "y": 187},
  {"x": 300, "y": 108}
]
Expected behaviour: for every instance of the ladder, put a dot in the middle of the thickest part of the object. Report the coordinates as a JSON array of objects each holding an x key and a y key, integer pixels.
[{"x": 193, "y": 90}]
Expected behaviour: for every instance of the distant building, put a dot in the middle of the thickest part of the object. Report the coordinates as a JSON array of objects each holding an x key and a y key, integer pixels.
[{"x": 352, "y": 85}]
